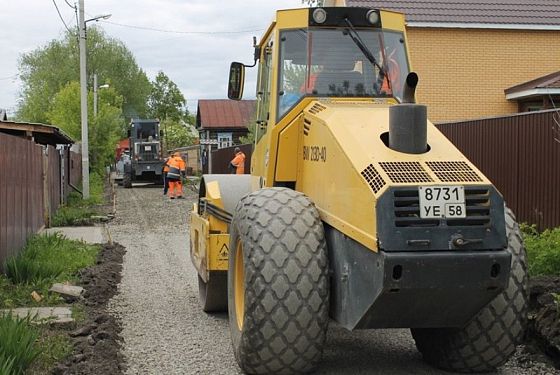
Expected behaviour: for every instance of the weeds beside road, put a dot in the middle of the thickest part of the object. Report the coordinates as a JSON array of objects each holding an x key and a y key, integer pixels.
[
  {"x": 78, "y": 212},
  {"x": 46, "y": 259}
]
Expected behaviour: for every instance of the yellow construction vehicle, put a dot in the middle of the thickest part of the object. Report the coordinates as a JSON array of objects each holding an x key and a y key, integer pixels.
[{"x": 357, "y": 209}]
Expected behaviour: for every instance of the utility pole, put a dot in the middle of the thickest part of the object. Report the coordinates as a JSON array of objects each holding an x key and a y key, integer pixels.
[
  {"x": 83, "y": 102},
  {"x": 95, "y": 95}
]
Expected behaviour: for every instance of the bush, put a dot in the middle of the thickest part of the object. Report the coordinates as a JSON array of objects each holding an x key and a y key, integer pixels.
[
  {"x": 543, "y": 251},
  {"x": 18, "y": 347},
  {"x": 49, "y": 256}
]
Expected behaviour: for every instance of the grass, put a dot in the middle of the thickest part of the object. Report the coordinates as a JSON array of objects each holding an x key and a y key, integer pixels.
[
  {"x": 7, "y": 366},
  {"x": 18, "y": 344},
  {"x": 46, "y": 259},
  {"x": 67, "y": 216},
  {"x": 54, "y": 345},
  {"x": 543, "y": 250},
  {"x": 79, "y": 313},
  {"x": 78, "y": 211}
]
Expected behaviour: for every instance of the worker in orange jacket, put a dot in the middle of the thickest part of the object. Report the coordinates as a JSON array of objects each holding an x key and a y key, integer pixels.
[
  {"x": 177, "y": 168},
  {"x": 165, "y": 171},
  {"x": 238, "y": 161}
]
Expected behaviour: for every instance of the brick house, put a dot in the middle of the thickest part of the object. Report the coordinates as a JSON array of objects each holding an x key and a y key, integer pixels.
[{"x": 468, "y": 53}]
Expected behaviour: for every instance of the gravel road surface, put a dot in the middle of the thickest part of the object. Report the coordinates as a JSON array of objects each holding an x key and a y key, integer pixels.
[{"x": 166, "y": 332}]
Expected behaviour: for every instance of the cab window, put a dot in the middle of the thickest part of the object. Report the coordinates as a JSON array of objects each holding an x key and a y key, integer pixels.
[
  {"x": 327, "y": 62},
  {"x": 263, "y": 91}
]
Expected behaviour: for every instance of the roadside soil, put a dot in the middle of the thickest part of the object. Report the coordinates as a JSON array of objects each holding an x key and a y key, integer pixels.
[
  {"x": 543, "y": 335},
  {"x": 97, "y": 341}
]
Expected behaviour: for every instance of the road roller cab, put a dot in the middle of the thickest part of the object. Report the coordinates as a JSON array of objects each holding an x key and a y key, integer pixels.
[{"x": 356, "y": 209}]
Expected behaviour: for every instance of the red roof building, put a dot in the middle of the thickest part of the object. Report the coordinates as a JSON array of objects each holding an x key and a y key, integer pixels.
[{"x": 224, "y": 121}]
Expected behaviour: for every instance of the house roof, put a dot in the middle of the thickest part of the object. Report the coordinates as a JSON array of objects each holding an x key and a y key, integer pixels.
[
  {"x": 546, "y": 85},
  {"x": 224, "y": 113},
  {"x": 124, "y": 143},
  {"x": 525, "y": 14},
  {"x": 41, "y": 133}
]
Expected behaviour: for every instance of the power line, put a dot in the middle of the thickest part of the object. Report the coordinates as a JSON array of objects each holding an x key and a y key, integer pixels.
[
  {"x": 179, "y": 31},
  {"x": 60, "y": 15},
  {"x": 70, "y": 5}
]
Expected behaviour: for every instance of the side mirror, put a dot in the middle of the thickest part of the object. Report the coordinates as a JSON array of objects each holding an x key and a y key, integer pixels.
[{"x": 236, "y": 81}]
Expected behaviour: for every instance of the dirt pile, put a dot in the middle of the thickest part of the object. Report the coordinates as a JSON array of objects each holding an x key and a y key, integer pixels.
[
  {"x": 97, "y": 342},
  {"x": 544, "y": 317}
]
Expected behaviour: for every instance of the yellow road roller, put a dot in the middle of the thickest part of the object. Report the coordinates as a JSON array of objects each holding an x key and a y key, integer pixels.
[{"x": 356, "y": 209}]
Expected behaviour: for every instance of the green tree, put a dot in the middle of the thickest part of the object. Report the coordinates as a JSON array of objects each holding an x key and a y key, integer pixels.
[
  {"x": 252, "y": 128},
  {"x": 178, "y": 134},
  {"x": 166, "y": 102},
  {"x": 104, "y": 129},
  {"x": 46, "y": 70}
]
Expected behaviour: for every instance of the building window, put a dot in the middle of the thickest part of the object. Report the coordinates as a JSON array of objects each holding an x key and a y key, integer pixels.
[{"x": 225, "y": 140}]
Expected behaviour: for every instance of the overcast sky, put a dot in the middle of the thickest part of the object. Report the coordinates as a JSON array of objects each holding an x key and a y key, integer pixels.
[{"x": 197, "y": 63}]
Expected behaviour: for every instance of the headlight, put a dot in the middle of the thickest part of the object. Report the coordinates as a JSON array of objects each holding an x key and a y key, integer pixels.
[
  {"x": 319, "y": 15},
  {"x": 372, "y": 17}
]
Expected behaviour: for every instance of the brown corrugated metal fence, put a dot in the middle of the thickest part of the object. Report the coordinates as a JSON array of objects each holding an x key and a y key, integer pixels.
[
  {"x": 21, "y": 192},
  {"x": 53, "y": 180},
  {"x": 520, "y": 155},
  {"x": 222, "y": 157},
  {"x": 31, "y": 189},
  {"x": 75, "y": 168}
]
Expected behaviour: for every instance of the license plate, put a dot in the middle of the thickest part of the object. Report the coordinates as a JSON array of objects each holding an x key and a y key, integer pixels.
[{"x": 438, "y": 202}]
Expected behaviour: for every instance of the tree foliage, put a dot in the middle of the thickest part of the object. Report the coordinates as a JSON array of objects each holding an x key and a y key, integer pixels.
[
  {"x": 252, "y": 128},
  {"x": 46, "y": 70},
  {"x": 178, "y": 134},
  {"x": 166, "y": 102},
  {"x": 104, "y": 129},
  {"x": 51, "y": 93}
]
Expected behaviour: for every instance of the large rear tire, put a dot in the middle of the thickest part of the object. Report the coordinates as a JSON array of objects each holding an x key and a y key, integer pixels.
[
  {"x": 127, "y": 180},
  {"x": 490, "y": 338},
  {"x": 278, "y": 289}
]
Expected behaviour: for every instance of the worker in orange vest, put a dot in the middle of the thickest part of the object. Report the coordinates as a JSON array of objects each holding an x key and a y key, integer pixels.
[
  {"x": 238, "y": 161},
  {"x": 177, "y": 168},
  {"x": 165, "y": 171}
]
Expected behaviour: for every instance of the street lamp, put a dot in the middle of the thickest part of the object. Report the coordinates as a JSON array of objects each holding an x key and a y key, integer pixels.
[
  {"x": 95, "y": 88},
  {"x": 83, "y": 96}
]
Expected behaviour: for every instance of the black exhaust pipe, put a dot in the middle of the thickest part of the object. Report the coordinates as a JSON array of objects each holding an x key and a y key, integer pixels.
[{"x": 408, "y": 121}]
